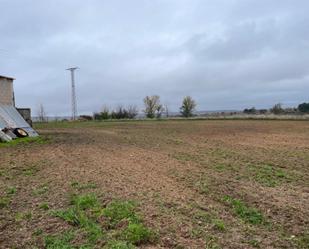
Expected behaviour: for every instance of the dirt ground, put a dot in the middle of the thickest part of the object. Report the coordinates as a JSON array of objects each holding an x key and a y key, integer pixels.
[{"x": 197, "y": 184}]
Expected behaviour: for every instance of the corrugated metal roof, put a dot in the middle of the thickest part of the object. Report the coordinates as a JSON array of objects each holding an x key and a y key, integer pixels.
[
  {"x": 2, "y": 123},
  {"x": 10, "y": 118}
]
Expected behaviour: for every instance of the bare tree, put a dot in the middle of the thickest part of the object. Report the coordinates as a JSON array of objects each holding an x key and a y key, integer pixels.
[
  {"x": 41, "y": 113},
  {"x": 132, "y": 111},
  {"x": 188, "y": 106},
  {"x": 153, "y": 108},
  {"x": 277, "y": 109}
]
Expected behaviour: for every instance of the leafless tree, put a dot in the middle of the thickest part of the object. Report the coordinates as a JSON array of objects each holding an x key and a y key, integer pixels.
[
  {"x": 132, "y": 111},
  {"x": 277, "y": 109}
]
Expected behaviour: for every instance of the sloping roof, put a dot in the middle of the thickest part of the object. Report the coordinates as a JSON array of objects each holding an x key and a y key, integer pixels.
[
  {"x": 10, "y": 118},
  {"x": 6, "y": 77}
]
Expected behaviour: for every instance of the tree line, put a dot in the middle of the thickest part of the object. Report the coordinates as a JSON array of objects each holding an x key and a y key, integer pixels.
[
  {"x": 152, "y": 109},
  {"x": 277, "y": 109}
]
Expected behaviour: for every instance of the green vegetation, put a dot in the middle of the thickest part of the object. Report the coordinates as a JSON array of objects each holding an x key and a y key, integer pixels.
[
  {"x": 187, "y": 107},
  {"x": 117, "y": 211},
  {"x": 60, "y": 242},
  {"x": 41, "y": 190},
  {"x": 248, "y": 214},
  {"x": 11, "y": 190},
  {"x": 137, "y": 233},
  {"x": 44, "y": 206},
  {"x": 4, "y": 202},
  {"x": 303, "y": 240},
  {"x": 26, "y": 140},
  {"x": 86, "y": 201},
  {"x": 85, "y": 186},
  {"x": 115, "y": 244},
  {"x": 304, "y": 107},
  {"x": 30, "y": 171},
  {"x": 219, "y": 224},
  {"x": 269, "y": 175},
  {"x": 121, "y": 226},
  {"x": 23, "y": 216}
]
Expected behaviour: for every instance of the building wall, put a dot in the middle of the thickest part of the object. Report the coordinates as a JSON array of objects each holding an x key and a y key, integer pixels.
[
  {"x": 26, "y": 114},
  {"x": 6, "y": 91}
]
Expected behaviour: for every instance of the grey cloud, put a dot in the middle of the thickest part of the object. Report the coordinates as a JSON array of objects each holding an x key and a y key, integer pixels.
[{"x": 228, "y": 54}]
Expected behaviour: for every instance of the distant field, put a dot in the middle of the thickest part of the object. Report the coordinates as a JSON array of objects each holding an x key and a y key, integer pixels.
[{"x": 157, "y": 184}]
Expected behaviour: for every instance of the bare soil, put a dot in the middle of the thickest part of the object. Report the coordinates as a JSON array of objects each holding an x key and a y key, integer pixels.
[{"x": 179, "y": 173}]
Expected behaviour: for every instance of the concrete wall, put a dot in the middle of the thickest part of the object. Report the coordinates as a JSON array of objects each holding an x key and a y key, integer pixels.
[
  {"x": 26, "y": 114},
  {"x": 6, "y": 91}
]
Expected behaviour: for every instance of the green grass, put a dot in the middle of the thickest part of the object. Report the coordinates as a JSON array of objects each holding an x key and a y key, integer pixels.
[
  {"x": 44, "y": 206},
  {"x": 60, "y": 242},
  {"x": 20, "y": 216},
  {"x": 26, "y": 140},
  {"x": 137, "y": 234},
  {"x": 101, "y": 224},
  {"x": 115, "y": 244},
  {"x": 117, "y": 211},
  {"x": 11, "y": 191},
  {"x": 254, "y": 243},
  {"x": 43, "y": 189},
  {"x": 84, "y": 201},
  {"x": 30, "y": 171},
  {"x": 303, "y": 240},
  {"x": 246, "y": 213},
  {"x": 79, "y": 218},
  {"x": 186, "y": 157},
  {"x": 4, "y": 202},
  {"x": 80, "y": 186},
  {"x": 269, "y": 175},
  {"x": 37, "y": 232},
  {"x": 219, "y": 225}
]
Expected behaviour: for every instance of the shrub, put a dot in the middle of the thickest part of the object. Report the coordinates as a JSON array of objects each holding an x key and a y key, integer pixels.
[
  {"x": 304, "y": 108},
  {"x": 250, "y": 111}
]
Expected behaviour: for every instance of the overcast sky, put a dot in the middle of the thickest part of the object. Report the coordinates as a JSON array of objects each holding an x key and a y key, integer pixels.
[{"x": 226, "y": 54}]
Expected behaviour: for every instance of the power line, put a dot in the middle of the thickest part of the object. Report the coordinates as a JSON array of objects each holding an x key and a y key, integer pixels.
[{"x": 73, "y": 96}]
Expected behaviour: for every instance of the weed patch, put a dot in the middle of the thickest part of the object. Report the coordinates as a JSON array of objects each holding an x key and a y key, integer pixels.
[
  {"x": 117, "y": 223},
  {"x": 80, "y": 186},
  {"x": 248, "y": 214},
  {"x": 60, "y": 242},
  {"x": 117, "y": 211},
  {"x": 41, "y": 190},
  {"x": 137, "y": 234},
  {"x": 115, "y": 244},
  {"x": 44, "y": 206},
  {"x": 30, "y": 171},
  {"x": 23, "y": 216},
  {"x": 303, "y": 240},
  {"x": 219, "y": 225},
  {"x": 269, "y": 175},
  {"x": 4, "y": 202},
  {"x": 11, "y": 191}
]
